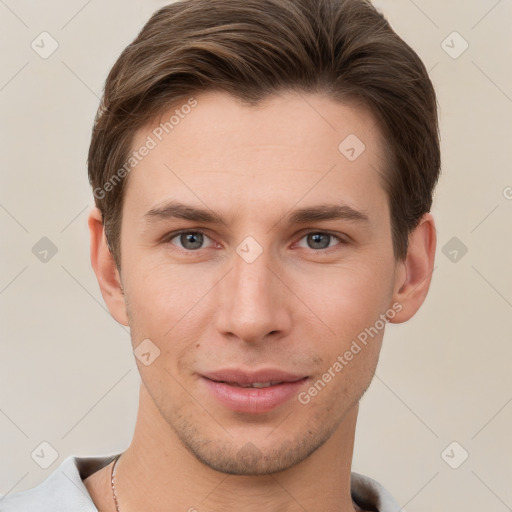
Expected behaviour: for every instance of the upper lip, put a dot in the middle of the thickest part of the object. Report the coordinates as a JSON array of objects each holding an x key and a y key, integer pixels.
[{"x": 239, "y": 376}]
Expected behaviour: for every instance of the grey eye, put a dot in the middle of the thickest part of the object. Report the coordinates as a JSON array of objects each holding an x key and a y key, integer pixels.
[
  {"x": 319, "y": 240},
  {"x": 190, "y": 240}
]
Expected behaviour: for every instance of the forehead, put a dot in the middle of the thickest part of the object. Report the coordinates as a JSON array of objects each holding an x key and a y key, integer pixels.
[{"x": 291, "y": 147}]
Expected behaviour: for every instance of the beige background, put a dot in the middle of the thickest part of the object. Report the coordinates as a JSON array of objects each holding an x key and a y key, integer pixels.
[{"x": 67, "y": 374}]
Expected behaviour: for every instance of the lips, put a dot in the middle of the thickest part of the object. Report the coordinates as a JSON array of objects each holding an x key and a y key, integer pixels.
[
  {"x": 256, "y": 384},
  {"x": 242, "y": 378},
  {"x": 253, "y": 392}
]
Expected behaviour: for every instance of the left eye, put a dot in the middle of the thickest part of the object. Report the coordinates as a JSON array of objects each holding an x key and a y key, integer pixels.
[{"x": 320, "y": 240}]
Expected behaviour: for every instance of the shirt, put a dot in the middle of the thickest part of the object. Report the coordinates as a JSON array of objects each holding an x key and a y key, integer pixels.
[{"x": 64, "y": 490}]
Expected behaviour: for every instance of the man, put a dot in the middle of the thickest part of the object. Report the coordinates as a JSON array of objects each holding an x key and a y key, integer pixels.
[{"x": 263, "y": 173}]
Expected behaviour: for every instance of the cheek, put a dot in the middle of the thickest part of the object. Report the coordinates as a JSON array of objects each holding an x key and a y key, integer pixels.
[
  {"x": 166, "y": 305},
  {"x": 348, "y": 298},
  {"x": 159, "y": 292}
]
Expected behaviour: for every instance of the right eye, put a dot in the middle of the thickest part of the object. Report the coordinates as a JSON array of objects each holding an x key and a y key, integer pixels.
[{"x": 191, "y": 241}]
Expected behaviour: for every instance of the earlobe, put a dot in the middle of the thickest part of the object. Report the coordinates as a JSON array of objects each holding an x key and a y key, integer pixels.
[
  {"x": 105, "y": 269},
  {"x": 414, "y": 274}
]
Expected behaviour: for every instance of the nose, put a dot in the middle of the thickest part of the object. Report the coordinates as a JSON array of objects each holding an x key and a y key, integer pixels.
[{"x": 253, "y": 301}]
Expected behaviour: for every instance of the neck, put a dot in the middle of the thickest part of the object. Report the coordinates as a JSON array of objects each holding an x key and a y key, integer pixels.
[{"x": 158, "y": 473}]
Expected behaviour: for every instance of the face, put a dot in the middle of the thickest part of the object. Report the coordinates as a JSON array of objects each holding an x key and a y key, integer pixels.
[{"x": 265, "y": 284}]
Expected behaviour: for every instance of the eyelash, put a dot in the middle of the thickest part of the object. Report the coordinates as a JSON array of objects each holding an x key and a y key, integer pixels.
[{"x": 171, "y": 236}]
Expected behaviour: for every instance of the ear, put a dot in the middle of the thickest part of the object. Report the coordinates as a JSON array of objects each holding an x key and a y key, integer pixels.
[
  {"x": 105, "y": 269},
  {"x": 413, "y": 275}
]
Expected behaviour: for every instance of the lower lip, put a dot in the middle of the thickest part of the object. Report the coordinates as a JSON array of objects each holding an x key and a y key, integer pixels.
[{"x": 253, "y": 400}]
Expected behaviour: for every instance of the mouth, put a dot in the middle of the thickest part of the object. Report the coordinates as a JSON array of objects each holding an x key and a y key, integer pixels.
[
  {"x": 258, "y": 378},
  {"x": 253, "y": 392},
  {"x": 258, "y": 385}
]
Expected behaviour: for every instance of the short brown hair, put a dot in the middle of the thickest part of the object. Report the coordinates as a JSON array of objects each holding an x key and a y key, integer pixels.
[{"x": 254, "y": 48}]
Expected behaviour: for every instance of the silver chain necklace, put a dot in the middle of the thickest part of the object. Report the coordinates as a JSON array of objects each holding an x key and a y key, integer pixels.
[{"x": 114, "y": 492}]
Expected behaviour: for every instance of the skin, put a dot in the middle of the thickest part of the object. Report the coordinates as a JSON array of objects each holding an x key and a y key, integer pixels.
[{"x": 297, "y": 307}]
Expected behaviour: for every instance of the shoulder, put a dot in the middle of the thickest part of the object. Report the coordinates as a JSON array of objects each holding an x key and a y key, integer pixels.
[
  {"x": 370, "y": 495},
  {"x": 62, "y": 491}
]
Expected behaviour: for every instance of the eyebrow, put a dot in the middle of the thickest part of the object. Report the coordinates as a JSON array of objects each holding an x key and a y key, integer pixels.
[{"x": 177, "y": 210}]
